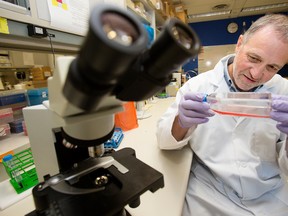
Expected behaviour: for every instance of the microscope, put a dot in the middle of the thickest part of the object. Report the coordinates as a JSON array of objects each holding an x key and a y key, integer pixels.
[{"x": 67, "y": 133}]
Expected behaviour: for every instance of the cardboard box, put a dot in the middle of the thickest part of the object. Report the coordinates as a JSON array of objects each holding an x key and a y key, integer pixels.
[
  {"x": 139, "y": 5},
  {"x": 40, "y": 84},
  {"x": 182, "y": 16},
  {"x": 130, "y": 4},
  {"x": 158, "y": 4},
  {"x": 41, "y": 73}
]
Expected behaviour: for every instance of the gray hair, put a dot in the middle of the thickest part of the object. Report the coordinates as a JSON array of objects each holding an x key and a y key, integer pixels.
[{"x": 279, "y": 23}]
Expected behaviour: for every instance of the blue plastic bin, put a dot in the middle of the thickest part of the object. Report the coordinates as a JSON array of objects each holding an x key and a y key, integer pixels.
[
  {"x": 16, "y": 126},
  {"x": 12, "y": 98},
  {"x": 37, "y": 96},
  {"x": 115, "y": 139}
]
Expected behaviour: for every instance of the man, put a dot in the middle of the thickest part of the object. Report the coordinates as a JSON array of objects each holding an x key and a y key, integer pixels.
[{"x": 239, "y": 164}]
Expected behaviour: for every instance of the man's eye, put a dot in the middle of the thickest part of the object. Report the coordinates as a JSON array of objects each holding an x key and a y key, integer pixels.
[
  {"x": 272, "y": 68},
  {"x": 253, "y": 59}
]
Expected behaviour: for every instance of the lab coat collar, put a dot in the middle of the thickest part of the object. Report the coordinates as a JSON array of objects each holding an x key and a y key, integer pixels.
[{"x": 271, "y": 85}]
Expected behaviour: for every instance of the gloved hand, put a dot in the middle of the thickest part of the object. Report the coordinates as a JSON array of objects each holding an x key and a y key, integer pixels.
[
  {"x": 193, "y": 111},
  {"x": 280, "y": 112}
]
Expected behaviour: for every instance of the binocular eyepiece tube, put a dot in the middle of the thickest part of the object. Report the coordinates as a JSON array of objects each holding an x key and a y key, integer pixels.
[{"x": 115, "y": 58}]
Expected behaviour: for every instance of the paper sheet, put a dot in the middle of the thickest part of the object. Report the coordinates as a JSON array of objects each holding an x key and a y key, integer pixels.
[
  {"x": 69, "y": 15},
  {"x": 4, "y": 26}
]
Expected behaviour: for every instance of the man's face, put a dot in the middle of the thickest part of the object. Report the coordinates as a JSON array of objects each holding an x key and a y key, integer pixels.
[{"x": 258, "y": 60}]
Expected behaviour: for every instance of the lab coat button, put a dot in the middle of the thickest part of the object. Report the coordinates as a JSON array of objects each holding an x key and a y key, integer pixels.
[{"x": 238, "y": 163}]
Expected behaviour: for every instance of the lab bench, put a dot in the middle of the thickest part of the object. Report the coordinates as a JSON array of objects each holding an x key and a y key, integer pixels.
[{"x": 174, "y": 165}]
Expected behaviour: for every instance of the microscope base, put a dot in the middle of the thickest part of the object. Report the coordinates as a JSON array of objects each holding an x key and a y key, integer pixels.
[{"x": 122, "y": 189}]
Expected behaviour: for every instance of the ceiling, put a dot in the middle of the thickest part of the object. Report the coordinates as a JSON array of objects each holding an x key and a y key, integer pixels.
[{"x": 206, "y": 8}]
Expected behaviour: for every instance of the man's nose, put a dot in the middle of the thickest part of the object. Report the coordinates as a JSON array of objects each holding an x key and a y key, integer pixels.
[{"x": 257, "y": 72}]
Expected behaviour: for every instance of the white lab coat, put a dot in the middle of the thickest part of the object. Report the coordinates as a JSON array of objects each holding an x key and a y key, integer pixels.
[{"x": 245, "y": 157}]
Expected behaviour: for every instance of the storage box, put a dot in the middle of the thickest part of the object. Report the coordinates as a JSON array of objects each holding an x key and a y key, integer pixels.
[
  {"x": 4, "y": 131},
  {"x": 39, "y": 84},
  {"x": 16, "y": 126},
  {"x": 18, "y": 112},
  {"x": 6, "y": 116},
  {"x": 139, "y": 5},
  {"x": 41, "y": 73},
  {"x": 130, "y": 4},
  {"x": 24, "y": 128},
  {"x": 12, "y": 97},
  {"x": 17, "y": 109},
  {"x": 37, "y": 96}
]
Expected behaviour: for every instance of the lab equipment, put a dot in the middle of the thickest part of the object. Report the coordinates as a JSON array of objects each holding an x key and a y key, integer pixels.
[
  {"x": 246, "y": 104},
  {"x": 12, "y": 169},
  {"x": 20, "y": 167},
  {"x": 115, "y": 140},
  {"x": 114, "y": 65},
  {"x": 11, "y": 164}
]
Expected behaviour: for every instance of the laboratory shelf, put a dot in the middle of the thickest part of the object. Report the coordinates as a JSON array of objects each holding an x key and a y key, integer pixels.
[{"x": 14, "y": 142}]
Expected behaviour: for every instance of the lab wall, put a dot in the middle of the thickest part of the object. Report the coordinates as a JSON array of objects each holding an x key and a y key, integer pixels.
[
  {"x": 210, "y": 55},
  {"x": 215, "y": 38},
  {"x": 214, "y": 33}
]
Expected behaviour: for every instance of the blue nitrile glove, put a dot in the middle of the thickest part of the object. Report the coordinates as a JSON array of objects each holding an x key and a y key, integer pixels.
[
  {"x": 280, "y": 112},
  {"x": 193, "y": 111}
]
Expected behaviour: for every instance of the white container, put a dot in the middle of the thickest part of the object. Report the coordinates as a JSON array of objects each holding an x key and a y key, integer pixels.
[{"x": 20, "y": 86}]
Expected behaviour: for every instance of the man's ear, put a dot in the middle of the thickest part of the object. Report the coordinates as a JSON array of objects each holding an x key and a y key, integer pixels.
[{"x": 239, "y": 43}]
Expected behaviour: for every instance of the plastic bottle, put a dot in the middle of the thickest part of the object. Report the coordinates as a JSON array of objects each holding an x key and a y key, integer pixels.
[{"x": 16, "y": 175}]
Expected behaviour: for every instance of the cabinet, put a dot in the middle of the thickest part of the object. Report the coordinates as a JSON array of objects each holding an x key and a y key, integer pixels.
[
  {"x": 5, "y": 60},
  {"x": 156, "y": 12},
  {"x": 18, "y": 17},
  {"x": 148, "y": 13},
  {"x": 33, "y": 12}
]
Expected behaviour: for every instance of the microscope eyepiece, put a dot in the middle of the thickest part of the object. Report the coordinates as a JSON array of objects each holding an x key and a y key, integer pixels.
[
  {"x": 115, "y": 38},
  {"x": 119, "y": 29},
  {"x": 176, "y": 44},
  {"x": 182, "y": 37},
  {"x": 115, "y": 58}
]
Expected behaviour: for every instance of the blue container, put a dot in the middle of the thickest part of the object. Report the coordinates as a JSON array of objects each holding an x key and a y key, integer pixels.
[
  {"x": 12, "y": 99},
  {"x": 115, "y": 140},
  {"x": 16, "y": 126},
  {"x": 37, "y": 96},
  {"x": 16, "y": 129}
]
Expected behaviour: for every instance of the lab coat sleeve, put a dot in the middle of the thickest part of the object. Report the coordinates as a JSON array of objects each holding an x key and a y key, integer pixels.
[
  {"x": 200, "y": 83},
  {"x": 164, "y": 127},
  {"x": 283, "y": 157}
]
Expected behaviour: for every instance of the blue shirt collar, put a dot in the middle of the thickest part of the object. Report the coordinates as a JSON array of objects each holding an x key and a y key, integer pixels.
[{"x": 227, "y": 78}]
